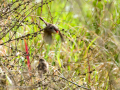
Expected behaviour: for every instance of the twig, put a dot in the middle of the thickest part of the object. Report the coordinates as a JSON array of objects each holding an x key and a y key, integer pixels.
[
  {"x": 22, "y": 37},
  {"x": 50, "y": 13},
  {"x": 88, "y": 68},
  {"x": 11, "y": 76},
  {"x": 73, "y": 83},
  {"x": 43, "y": 21}
]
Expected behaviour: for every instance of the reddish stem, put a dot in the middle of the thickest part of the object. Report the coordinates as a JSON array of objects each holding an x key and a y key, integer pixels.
[{"x": 27, "y": 56}]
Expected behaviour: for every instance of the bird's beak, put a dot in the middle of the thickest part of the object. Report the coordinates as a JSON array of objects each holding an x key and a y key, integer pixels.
[{"x": 56, "y": 30}]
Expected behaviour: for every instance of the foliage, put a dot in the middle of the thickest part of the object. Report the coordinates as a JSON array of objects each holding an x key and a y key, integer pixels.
[{"x": 88, "y": 59}]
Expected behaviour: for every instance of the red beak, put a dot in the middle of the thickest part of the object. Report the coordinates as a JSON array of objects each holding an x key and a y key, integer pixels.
[{"x": 56, "y": 30}]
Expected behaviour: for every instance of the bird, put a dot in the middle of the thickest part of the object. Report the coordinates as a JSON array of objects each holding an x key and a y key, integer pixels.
[
  {"x": 49, "y": 30},
  {"x": 43, "y": 67}
]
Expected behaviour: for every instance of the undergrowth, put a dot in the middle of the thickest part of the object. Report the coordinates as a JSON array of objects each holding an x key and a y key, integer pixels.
[{"x": 88, "y": 59}]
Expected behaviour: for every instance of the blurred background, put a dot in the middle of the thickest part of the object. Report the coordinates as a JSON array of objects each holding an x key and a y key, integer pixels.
[{"x": 88, "y": 59}]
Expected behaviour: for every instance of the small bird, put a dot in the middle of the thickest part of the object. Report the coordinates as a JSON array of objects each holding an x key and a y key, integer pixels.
[
  {"x": 49, "y": 30},
  {"x": 43, "y": 67}
]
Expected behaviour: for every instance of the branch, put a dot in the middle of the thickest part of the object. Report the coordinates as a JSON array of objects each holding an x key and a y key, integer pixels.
[
  {"x": 73, "y": 83},
  {"x": 22, "y": 37},
  {"x": 43, "y": 21}
]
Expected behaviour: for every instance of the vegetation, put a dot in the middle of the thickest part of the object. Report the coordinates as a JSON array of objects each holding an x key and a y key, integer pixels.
[{"x": 88, "y": 59}]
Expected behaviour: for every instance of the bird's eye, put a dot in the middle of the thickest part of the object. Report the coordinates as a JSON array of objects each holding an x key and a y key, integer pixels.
[{"x": 51, "y": 27}]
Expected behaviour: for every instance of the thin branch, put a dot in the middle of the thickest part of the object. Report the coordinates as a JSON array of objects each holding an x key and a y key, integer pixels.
[
  {"x": 43, "y": 21},
  {"x": 22, "y": 37},
  {"x": 73, "y": 83}
]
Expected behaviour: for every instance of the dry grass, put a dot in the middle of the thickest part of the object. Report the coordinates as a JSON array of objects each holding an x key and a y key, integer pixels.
[{"x": 88, "y": 59}]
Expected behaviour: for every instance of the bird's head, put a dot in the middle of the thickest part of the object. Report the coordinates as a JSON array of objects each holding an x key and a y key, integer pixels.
[
  {"x": 51, "y": 28},
  {"x": 41, "y": 60}
]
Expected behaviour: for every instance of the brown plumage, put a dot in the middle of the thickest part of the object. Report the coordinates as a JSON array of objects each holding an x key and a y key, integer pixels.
[
  {"x": 43, "y": 67},
  {"x": 49, "y": 30}
]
